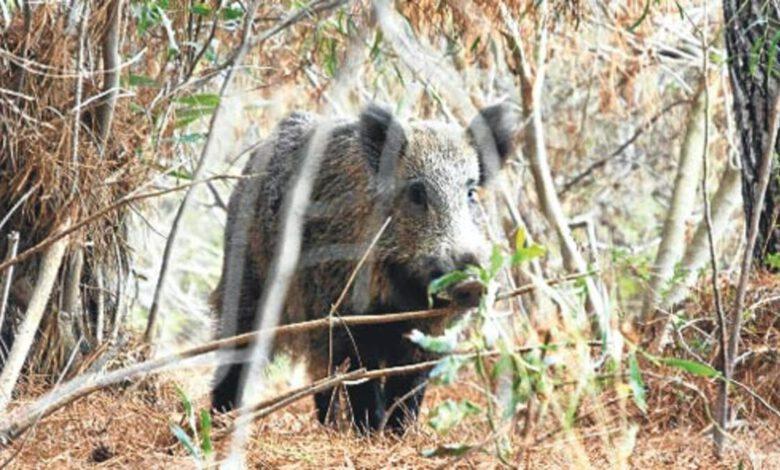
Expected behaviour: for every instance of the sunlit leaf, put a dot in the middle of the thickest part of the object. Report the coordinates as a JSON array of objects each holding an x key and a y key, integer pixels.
[
  {"x": 438, "y": 344},
  {"x": 205, "y": 432},
  {"x": 773, "y": 260},
  {"x": 692, "y": 367},
  {"x": 525, "y": 254},
  {"x": 184, "y": 439}
]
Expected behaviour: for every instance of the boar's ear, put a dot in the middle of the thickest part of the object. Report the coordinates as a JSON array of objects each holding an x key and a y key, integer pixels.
[
  {"x": 492, "y": 133},
  {"x": 382, "y": 138}
]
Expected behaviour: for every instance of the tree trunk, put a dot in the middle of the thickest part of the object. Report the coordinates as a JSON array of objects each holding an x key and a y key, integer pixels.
[
  {"x": 751, "y": 28},
  {"x": 673, "y": 236}
]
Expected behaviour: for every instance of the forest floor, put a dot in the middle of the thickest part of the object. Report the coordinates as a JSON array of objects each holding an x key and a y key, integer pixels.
[{"x": 130, "y": 428}]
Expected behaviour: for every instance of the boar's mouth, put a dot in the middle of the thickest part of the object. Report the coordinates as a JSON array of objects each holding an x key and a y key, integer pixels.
[{"x": 408, "y": 289}]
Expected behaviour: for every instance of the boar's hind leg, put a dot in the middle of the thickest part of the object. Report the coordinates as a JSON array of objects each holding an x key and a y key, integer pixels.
[
  {"x": 368, "y": 405},
  {"x": 405, "y": 394},
  {"x": 225, "y": 394}
]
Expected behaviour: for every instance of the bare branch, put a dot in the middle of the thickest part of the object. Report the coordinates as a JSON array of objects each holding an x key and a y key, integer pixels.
[{"x": 111, "y": 62}]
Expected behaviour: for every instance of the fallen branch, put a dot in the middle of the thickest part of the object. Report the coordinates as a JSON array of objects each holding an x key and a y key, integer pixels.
[
  {"x": 267, "y": 407},
  {"x": 14, "y": 425}
]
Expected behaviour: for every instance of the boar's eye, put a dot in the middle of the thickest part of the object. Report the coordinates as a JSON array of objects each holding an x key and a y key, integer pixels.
[
  {"x": 473, "y": 195},
  {"x": 417, "y": 194}
]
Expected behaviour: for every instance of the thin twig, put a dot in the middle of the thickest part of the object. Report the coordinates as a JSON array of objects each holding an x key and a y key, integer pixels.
[
  {"x": 120, "y": 203},
  {"x": 340, "y": 299},
  {"x": 617, "y": 152},
  {"x": 79, "y": 90},
  {"x": 262, "y": 409},
  {"x": 13, "y": 245},
  {"x": 209, "y": 148},
  {"x": 764, "y": 174},
  {"x": 251, "y": 413},
  {"x": 398, "y": 403},
  {"x": 17, "y": 205}
]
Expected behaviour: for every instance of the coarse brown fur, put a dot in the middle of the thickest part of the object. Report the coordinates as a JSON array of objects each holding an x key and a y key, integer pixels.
[{"x": 423, "y": 176}]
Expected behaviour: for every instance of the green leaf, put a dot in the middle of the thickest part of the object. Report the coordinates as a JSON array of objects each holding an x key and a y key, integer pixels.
[
  {"x": 185, "y": 401},
  {"x": 190, "y": 115},
  {"x": 496, "y": 261},
  {"x": 504, "y": 364},
  {"x": 185, "y": 440},
  {"x": 475, "y": 44},
  {"x": 446, "y": 370},
  {"x": 450, "y": 413},
  {"x": 201, "y": 9},
  {"x": 636, "y": 383},
  {"x": 205, "y": 433},
  {"x": 446, "y": 450},
  {"x": 376, "y": 46},
  {"x": 773, "y": 260},
  {"x": 522, "y": 255},
  {"x": 232, "y": 13},
  {"x": 205, "y": 100},
  {"x": 193, "y": 138},
  {"x": 520, "y": 237},
  {"x": 443, "y": 282},
  {"x": 141, "y": 81},
  {"x": 692, "y": 367}
]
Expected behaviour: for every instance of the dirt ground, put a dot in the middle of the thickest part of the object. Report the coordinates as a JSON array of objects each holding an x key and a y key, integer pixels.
[{"x": 130, "y": 428}]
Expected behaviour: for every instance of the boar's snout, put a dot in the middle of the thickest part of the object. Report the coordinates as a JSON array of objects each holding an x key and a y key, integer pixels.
[
  {"x": 438, "y": 267},
  {"x": 464, "y": 294}
]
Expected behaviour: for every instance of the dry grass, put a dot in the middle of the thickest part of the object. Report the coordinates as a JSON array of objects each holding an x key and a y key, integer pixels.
[{"x": 130, "y": 429}]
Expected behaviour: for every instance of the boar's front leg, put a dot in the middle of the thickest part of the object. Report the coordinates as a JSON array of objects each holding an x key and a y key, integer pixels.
[
  {"x": 404, "y": 393},
  {"x": 366, "y": 399}
]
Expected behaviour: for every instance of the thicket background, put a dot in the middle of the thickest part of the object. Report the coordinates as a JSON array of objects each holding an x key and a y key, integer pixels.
[{"x": 112, "y": 111}]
